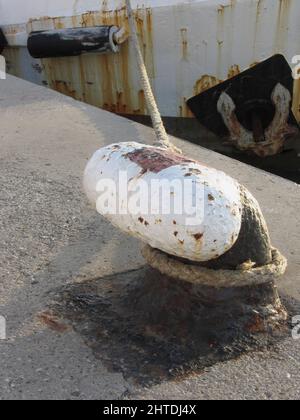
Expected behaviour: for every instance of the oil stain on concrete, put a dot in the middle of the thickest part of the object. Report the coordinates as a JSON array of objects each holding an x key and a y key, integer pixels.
[{"x": 152, "y": 328}]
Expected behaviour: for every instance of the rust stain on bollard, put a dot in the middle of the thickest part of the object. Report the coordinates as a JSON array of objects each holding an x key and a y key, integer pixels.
[{"x": 156, "y": 160}]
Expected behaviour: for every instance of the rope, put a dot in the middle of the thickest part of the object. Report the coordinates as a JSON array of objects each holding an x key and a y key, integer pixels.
[
  {"x": 196, "y": 274},
  {"x": 162, "y": 138}
]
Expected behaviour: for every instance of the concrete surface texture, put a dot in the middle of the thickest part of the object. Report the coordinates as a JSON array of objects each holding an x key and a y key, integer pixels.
[{"x": 51, "y": 241}]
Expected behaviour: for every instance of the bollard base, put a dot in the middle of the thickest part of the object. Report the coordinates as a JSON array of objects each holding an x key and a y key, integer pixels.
[{"x": 152, "y": 328}]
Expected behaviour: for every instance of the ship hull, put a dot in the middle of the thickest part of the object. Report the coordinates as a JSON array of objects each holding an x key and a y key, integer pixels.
[{"x": 188, "y": 46}]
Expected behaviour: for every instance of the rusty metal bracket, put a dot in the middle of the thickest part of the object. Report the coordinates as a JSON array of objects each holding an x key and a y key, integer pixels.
[{"x": 251, "y": 110}]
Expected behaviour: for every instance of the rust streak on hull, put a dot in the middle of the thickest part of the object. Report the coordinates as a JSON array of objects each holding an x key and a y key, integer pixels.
[{"x": 105, "y": 81}]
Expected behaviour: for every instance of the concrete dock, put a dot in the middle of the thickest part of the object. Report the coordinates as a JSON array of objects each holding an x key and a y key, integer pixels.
[{"x": 53, "y": 243}]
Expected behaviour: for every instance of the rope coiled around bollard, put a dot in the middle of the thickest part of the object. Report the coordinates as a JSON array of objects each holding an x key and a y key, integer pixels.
[{"x": 170, "y": 266}]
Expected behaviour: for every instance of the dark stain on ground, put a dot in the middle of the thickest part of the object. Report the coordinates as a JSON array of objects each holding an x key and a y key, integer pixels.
[
  {"x": 52, "y": 322},
  {"x": 152, "y": 328}
]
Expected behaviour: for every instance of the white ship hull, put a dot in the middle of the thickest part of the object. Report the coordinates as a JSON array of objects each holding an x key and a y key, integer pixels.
[{"x": 188, "y": 47}]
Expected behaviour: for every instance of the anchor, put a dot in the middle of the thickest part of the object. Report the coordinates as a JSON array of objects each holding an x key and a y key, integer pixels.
[
  {"x": 252, "y": 110},
  {"x": 262, "y": 142}
]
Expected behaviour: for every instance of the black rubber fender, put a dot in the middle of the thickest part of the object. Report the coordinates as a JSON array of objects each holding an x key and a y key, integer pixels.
[{"x": 72, "y": 42}]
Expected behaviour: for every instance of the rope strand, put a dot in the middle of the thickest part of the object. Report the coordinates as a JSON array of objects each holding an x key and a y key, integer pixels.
[{"x": 162, "y": 138}]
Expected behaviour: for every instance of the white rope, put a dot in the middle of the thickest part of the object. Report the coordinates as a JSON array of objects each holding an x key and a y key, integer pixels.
[{"x": 162, "y": 138}]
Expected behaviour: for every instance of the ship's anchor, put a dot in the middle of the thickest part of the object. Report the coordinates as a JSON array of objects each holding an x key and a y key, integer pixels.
[
  {"x": 252, "y": 111},
  {"x": 263, "y": 142}
]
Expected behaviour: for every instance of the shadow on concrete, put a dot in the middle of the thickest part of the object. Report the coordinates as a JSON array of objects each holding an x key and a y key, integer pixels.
[{"x": 152, "y": 328}]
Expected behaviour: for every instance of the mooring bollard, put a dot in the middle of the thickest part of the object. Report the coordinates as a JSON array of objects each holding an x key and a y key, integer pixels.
[
  {"x": 223, "y": 244},
  {"x": 225, "y": 254},
  {"x": 227, "y": 230}
]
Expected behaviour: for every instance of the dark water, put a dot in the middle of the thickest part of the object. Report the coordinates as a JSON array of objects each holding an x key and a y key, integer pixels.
[{"x": 286, "y": 164}]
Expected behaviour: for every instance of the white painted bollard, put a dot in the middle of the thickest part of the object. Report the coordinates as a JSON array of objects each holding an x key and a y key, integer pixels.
[
  {"x": 181, "y": 207},
  {"x": 170, "y": 202}
]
